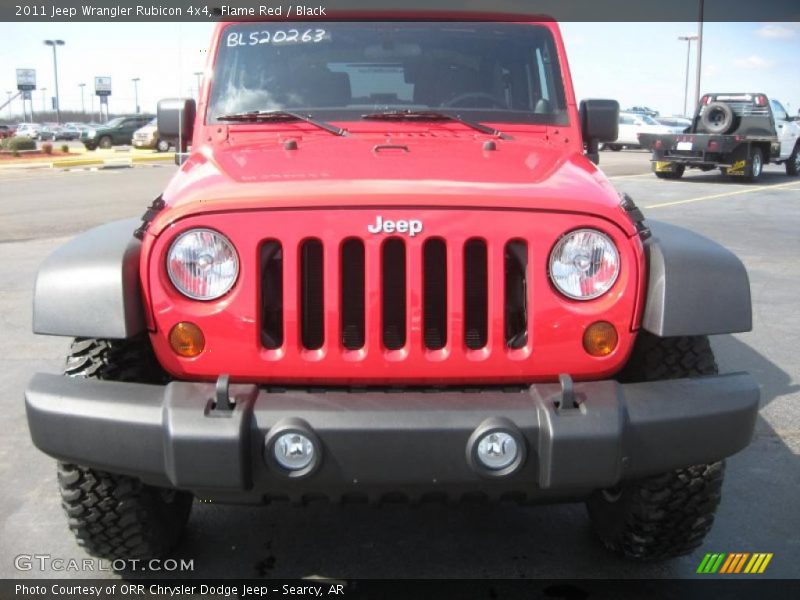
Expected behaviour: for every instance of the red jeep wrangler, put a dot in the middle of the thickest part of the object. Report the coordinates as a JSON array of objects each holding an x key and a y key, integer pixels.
[{"x": 389, "y": 268}]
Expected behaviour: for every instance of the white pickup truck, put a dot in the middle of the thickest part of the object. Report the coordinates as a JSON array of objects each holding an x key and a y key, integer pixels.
[{"x": 737, "y": 133}]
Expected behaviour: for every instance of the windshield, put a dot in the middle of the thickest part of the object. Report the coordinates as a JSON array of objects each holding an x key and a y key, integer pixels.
[
  {"x": 484, "y": 71},
  {"x": 648, "y": 120},
  {"x": 114, "y": 122}
]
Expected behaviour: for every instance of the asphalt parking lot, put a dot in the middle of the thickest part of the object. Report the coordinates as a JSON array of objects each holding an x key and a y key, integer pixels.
[{"x": 759, "y": 513}]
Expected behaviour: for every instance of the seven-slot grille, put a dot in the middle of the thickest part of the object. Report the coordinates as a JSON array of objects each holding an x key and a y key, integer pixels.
[{"x": 384, "y": 288}]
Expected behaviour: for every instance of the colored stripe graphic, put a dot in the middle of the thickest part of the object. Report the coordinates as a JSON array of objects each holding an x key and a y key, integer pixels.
[
  {"x": 703, "y": 563},
  {"x": 765, "y": 563},
  {"x": 711, "y": 563},
  {"x": 735, "y": 562},
  {"x": 759, "y": 562},
  {"x": 728, "y": 563},
  {"x": 740, "y": 563},
  {"x": 752, "y": 563}
]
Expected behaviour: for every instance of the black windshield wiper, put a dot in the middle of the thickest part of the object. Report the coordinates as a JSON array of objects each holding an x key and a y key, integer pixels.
[
  {"x": 265, "y": 116},
  {"x": 432, "y": 115}
]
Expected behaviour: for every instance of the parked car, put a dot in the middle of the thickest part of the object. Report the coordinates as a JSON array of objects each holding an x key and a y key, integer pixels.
[
  {"x": 643, "y": 110},
  {"x": 239, "y": 345},
  {"x": 6, "y": 131},
  {"x": 30, "y": 130},
  {"x": 147, "y": 137},
  {"x": 70, "y": 131},
  {"x": 48, "y": 132},
  {"x": 116, "y": 132},
  {"x": 675, "y": 124},
  {"x": 630, "y": 126}
]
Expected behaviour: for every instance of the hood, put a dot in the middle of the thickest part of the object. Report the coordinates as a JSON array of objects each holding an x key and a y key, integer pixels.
[{"x": 431, "y": 168}]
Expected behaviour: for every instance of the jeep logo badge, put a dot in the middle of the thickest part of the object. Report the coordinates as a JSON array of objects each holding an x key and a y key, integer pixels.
[{"x": 381, "y": 225}]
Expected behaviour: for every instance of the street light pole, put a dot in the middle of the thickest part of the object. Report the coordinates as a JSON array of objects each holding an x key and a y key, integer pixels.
[
  {"x": 689, "y": 39},
  {"x": 699, "y": 51},
  {"x": 54, "y": 44},
  {"x": 83, "y": 104},
  {"x": 10, "y": 113},
  {"x": 44, "y": 106},
  {"x": 135, "y": 81},
  {"x": 199, "y": 75}
]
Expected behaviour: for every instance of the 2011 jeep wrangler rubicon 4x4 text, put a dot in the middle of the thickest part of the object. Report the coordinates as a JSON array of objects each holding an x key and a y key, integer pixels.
[{"x": 406, "y": 207}]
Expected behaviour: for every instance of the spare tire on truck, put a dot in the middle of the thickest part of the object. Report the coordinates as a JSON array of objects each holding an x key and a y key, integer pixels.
[{"x": 717, "y": 118}]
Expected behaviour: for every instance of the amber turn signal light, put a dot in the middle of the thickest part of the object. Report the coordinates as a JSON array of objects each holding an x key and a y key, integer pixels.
[
  {"x": 600, "y": 339},
  {"x": 186, "y": 339}
]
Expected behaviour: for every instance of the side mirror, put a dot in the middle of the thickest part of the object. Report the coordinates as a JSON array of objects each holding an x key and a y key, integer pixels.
[
  {"x": 599, "y": 123},
  {"x": 175, "y": 118}
]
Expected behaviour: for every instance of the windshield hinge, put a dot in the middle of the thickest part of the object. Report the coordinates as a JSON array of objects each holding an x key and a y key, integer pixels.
[
  {"x": 635, "y": 214},
  {"x": 156, "y": 207}
]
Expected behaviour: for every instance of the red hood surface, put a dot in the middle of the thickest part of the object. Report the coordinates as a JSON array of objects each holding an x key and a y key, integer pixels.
[{"x": 539, "y": 169}]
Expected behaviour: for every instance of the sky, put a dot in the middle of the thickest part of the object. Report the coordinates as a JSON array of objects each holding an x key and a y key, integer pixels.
[{"x": 638, "y": 64}]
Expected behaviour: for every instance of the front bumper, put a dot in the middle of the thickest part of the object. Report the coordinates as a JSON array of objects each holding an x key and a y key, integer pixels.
[{"x": 376, "y": 443}]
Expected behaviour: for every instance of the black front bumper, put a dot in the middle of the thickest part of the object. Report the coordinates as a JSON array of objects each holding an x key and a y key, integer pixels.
[{"x": 376, "y": 443}]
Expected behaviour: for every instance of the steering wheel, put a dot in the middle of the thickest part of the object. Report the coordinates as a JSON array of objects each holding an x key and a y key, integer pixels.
[{"x": 458, "y": 100}]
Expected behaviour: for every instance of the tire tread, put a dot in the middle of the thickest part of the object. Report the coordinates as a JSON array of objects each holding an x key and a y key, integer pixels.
[{"x": 666, "y": 515}]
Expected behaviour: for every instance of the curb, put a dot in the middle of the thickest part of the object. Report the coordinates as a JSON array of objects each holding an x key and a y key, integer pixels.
[
  {"x": 168, "y": 156},
  {"x": 78, "y": 162},
  {"x": 111, "y": 162}
]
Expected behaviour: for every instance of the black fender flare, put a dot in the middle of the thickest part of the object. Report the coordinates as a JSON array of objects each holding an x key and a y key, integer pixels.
[
  {"x": 89, "y": 287},
  {"x": 695, "y": 286}
]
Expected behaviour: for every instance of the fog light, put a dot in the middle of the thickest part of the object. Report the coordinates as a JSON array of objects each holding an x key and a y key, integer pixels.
[
  {"x": 186, "y": 339},
  {"x": 293, "y": 451},
  {"x": 600, "y": 339},
  {"x": 497, "y": 450}
]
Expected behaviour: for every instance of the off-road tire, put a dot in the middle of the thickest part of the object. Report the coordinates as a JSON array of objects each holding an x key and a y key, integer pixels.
[
  {"x": 115, "y": 516},
  {"x": 793, "y": 162},
  {"x": 114, "y": 360},
  {"x": 676, "y": 174},
  {"x": 105, "y": 142},
  {"x": 665, "y": 515},
  {"x": 119, "y": 517},
  {"x": 655, "y": 358}
]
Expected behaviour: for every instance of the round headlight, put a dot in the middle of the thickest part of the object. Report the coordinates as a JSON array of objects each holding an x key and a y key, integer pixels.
[
  {"x": 202, "y": 264},
  {"x": 584, "y": 264}
]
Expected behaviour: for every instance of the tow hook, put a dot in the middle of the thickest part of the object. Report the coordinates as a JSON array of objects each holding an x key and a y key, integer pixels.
[
  {"x": 222, "y": 405},
  {"x": 567, "y": 401}
]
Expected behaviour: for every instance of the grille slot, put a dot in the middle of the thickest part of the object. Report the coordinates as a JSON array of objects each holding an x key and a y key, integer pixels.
[
  {"x": 475, "y": 294},
  {"x": 434, "y": 273},
  {"x": 352, "y": 294},
  {"x": 394, "y": 294},
  {"x": 311, "y": 295},
  {"x": 271, "y": 294},
  {"x": 338, "y": 281},
  {"x": 516, "y": 293}
]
